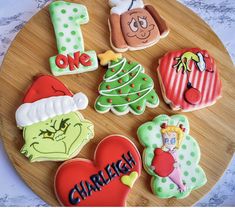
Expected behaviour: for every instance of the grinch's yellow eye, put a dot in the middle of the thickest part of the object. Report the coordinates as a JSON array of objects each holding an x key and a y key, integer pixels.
[
  {"x": 63, "y": 126},
  {"x": 48, "y": 135}
]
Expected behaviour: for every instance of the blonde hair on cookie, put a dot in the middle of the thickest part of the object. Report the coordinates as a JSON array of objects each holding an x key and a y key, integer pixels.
[{"x": 178, "y": 130}]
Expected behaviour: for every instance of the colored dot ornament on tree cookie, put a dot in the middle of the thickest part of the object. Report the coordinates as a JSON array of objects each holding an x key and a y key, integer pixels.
[
  {"x": 189, "y": 79},
  {"x": 67, "y": 18},
  {"x": 171, "y": 159},
  {"x": 105, "y": 181},
  {"x": 53, "y": 129},
  {"x": 126, "y": 85}
]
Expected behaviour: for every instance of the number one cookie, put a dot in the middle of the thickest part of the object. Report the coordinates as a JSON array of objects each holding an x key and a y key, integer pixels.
[{"x": 66, "y": 18}]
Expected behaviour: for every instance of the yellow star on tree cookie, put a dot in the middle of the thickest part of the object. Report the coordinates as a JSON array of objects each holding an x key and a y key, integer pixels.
[{"x": 108, "y": 56}]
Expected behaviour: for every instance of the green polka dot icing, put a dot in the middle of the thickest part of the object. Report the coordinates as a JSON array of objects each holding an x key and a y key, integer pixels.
[
  {"x": 188, "y": 158},
  {"x": 126, "y": 88},
  {"x": 66, "y": 19}
]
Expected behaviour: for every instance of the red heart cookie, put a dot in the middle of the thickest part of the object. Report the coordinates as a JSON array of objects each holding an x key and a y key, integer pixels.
[
  {"x": 101, "y": 182},
  {"x": 189, "y": 79},
  {"x": 163, "y": 161}
]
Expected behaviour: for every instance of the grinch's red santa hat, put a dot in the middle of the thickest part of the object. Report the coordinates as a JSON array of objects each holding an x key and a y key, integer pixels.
[{"x": 46, "y": 98}]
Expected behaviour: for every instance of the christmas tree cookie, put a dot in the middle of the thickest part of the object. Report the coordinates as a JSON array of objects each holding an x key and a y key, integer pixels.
[
  {"x": 125, "y": 87},
  {"x": 53, "y": 129},
  {"x": 171, "y": 156}
]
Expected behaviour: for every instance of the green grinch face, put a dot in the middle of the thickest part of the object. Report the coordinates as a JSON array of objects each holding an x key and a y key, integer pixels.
[{"x": 58, "y": 138}]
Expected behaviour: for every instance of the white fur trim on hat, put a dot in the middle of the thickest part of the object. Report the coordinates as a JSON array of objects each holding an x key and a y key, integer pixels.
[
  {"x": 121, "y": 6},
  {"x": 31, "y": 113}
]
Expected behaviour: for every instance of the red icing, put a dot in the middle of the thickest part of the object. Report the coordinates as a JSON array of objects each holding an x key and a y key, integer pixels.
[
  {"x": 108, "y": 151},
  {"x": 73, "y": 61},
  {"x": 193, "y": 96},
  {"x": 45, "y": 86},
  {"x": 163, "y": 162},
  {"x": 85, "y": 60},
  {"x": 175, "y": 84},
  {"x": 61, "y": 61}
]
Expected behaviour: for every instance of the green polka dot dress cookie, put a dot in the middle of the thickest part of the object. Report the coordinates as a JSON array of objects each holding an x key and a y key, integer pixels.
[
  {"x": 171, "y": 156},
  {"x": 125, "y": 87},
  {"x": 72, "y": 57}
]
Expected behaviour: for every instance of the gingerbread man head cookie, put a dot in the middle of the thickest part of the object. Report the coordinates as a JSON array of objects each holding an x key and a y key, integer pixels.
[
  {"x": 135, "y": 26},
  {"x": 53, "y": 129}
]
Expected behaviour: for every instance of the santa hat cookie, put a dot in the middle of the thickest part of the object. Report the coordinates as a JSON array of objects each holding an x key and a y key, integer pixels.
[
  {"x": 47, "y": 98},
  {"x": 53, "y": 129}
]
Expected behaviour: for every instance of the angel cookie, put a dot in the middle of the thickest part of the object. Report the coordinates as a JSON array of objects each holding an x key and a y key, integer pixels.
[
  {"x": 189, "y": 79},
  {"x": 134, "y": 26},
  {"x": 53, "y": 129},
  {"x": 125, "y": 87},
  {"x": 171, "y": 156}
]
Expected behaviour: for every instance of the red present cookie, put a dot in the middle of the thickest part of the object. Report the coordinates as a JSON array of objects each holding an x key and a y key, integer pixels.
[
  {"x": 189, "y": 79},
  {"x": 105, "y": 181}
]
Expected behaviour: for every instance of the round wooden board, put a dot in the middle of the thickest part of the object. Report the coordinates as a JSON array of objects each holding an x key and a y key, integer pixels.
[{"x": 28, "y": 56}]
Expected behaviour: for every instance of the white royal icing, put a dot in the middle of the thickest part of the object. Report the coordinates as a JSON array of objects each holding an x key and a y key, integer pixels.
[
  {"x": 201, "y": 64},
  {"x": 121, "y": 6},
  {"x": 30, "y": 113}
]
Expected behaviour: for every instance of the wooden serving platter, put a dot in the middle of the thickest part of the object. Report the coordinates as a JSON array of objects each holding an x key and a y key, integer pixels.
[{"x": 28, "y": 56}]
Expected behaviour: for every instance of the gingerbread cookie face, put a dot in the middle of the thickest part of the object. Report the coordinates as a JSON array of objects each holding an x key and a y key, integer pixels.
[
  {"x": 135, "y": 26},
  {"x": 125, "y": 87},
  {"x": 105, "y": 181},
  {"x": 53, "y": 129},
  {"x": 139, "y": 28},
  {"x": 189, "y": 79},
  {"x": 171, "y": 156}
]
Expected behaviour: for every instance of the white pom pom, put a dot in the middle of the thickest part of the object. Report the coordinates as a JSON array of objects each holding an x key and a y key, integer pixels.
[{"x": 80, "y": 100}]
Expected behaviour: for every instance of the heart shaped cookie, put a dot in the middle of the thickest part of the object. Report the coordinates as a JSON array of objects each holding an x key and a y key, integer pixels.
[
  {"x": 105, "y": 181},
  {"x": 189, "y": 79}
]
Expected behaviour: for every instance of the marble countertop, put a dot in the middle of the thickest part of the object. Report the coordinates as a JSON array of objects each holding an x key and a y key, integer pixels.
[{"x": 219, "y": 14}]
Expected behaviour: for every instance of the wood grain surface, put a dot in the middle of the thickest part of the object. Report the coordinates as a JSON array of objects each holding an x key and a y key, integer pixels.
[{"x": 28, "y": 56}]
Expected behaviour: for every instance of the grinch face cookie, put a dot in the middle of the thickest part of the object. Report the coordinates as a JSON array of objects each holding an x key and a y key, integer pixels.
[
  {"x": 66, "y": 18},
  {"x": 171, "y": 156},
  {"x": 105, "y": 181},
  {"x": 53, "y": 129},
  {"x": 189, "y": 79},
  {"x": 125, "y": 87},
  {"x": 134, "y": 26}
]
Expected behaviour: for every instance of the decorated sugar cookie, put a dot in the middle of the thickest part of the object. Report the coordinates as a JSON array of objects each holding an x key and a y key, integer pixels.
[
  {"x": 105, "y": 181},
  {"x": 189, "y": 79},
  {"x": 53, "y": 129},
  {"x": 125, "y": 87},
  {"x": 171, "y": 156},
  {"x": 134, "y": 26},
  {"x": 66, "y": 18}
]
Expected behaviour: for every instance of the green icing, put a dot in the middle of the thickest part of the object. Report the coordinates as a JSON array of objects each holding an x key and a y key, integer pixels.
[
  {"x": 68, "y": 34},
  {"x": 58, "y": 138},
  {"x": 192, "y": 174},
  {"x": 125, "y": 87}
]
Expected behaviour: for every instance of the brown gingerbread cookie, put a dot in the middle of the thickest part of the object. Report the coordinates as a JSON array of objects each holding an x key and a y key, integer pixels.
[{"x": 135, "y": 26}]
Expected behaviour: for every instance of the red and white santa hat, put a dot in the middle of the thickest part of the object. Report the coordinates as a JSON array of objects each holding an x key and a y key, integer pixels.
[{"x": 46, "y": 98}]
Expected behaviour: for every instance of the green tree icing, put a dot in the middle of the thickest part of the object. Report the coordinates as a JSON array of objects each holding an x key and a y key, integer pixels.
[{"x": 125, "y": 87}]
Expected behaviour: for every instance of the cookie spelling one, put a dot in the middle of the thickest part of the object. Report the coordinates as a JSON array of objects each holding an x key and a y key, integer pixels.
[
  {"x": 135, "y": 26},
  {"x": 66, "y": 18},
  {"x": 53, "y": 129}
]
